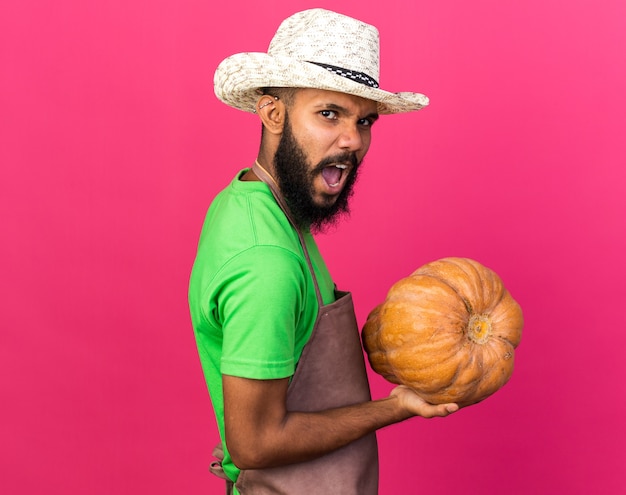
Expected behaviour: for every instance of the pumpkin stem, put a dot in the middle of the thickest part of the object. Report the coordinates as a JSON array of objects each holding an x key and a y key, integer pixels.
[{"x": 479, "y": 328}]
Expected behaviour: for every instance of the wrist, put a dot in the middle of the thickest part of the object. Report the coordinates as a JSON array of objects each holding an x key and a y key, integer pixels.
[{"x": 398, "y": 410}]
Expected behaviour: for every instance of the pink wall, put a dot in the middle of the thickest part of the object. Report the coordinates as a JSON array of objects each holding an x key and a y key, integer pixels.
[{"x": 112, "y": 145}]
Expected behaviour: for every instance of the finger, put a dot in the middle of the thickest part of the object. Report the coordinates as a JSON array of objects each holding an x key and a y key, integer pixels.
[{"x": 441, "y": 410}]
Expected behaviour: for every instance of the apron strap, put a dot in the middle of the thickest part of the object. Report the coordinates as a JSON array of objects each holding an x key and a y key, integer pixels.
[{"x": 265, "y": 176}]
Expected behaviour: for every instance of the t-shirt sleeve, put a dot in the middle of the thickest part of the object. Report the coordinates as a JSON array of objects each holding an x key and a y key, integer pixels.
[{"x": 259, "y": 304}]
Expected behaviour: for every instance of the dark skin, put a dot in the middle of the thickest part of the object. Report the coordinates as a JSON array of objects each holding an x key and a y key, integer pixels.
[{"x": 260, "y": 432}]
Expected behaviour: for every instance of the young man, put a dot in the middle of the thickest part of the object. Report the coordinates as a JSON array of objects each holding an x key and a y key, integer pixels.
[{"x": 280, "y": 348}]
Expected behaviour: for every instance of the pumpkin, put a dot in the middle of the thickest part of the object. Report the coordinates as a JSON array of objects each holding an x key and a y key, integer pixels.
[{"x": 448, "y": 331}]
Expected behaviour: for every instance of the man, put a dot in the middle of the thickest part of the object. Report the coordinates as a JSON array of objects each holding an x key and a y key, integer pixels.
[{"x": 279, "y": 347}]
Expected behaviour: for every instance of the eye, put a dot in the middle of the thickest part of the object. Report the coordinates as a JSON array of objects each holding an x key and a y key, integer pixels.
[
  {"x": 329, "y": 114},
  {"x": 366, "y": 122}
]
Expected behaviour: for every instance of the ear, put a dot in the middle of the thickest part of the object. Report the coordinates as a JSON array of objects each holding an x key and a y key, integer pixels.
[{"x": 271, "y": 111}]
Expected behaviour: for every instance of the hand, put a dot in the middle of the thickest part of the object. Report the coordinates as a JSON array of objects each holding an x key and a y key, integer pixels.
[{"x": 416, "y": 406}]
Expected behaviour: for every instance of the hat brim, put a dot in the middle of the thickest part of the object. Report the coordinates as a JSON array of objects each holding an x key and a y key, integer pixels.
[{"x": 239, "y": 77}]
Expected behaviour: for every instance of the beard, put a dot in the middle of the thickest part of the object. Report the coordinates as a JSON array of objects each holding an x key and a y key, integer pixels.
[{"x": 295, "y": 178}]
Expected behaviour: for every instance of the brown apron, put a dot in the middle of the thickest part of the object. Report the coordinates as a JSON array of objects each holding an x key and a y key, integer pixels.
[{"x": 330, "y": 373}]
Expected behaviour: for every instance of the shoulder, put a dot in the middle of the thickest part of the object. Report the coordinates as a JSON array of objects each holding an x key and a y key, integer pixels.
[
  {"x": 246, "y": 235},
  {"x": 246, "y": 214}
]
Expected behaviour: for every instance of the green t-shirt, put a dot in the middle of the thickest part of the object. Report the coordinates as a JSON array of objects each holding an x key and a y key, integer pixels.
[{"x": 251, "y": 296}]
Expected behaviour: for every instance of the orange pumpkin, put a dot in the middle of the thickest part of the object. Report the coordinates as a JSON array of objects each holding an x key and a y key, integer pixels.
[{"x": 448, "y": 331}]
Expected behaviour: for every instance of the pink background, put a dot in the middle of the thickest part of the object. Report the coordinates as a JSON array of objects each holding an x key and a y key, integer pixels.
[{"x": 112, "y": 145}]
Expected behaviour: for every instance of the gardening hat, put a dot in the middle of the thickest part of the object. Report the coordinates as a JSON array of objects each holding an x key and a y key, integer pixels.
[{"x": 316, "y": 49}]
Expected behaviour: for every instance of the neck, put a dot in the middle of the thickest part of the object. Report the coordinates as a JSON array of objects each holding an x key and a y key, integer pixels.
[{"x": 267, "y": 172}]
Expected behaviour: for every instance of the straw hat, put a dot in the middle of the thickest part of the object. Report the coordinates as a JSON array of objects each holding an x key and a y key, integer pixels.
[{"x": 317, "y": 49}]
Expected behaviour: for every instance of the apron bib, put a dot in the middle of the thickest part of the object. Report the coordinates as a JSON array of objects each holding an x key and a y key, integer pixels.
[{"x": 330, "y": 373}]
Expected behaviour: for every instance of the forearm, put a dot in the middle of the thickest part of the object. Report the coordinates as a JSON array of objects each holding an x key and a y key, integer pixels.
[
  {"x": 261, "y": 433},
  {"x": 305, "y": 436}
]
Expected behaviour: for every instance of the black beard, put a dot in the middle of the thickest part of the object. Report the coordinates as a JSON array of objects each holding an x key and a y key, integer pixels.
[{"x": 295, "y": 180}]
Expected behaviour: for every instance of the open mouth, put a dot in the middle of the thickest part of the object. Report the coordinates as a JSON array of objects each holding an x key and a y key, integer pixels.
[{"x": 334, "y": 174}]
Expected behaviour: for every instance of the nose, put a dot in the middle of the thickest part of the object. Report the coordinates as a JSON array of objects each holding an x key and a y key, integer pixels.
[{"x": 352, "y": 139}]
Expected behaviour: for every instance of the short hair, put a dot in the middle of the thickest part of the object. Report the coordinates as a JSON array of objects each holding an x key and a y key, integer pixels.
[{"x": 286, "y": 95}]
